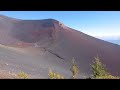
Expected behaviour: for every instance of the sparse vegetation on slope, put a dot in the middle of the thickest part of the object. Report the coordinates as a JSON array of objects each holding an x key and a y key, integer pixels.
[
  {"x": 53, "y": 75},
  {"x": 98, "y": 71},
  {"x": 98, "y": 68},
  {"x": 74, "y": 69},
  {"x": 22, "y": 75}
]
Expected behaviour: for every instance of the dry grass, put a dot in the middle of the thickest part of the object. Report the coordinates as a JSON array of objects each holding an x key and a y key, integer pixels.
[{"x": 22, "y": 75}]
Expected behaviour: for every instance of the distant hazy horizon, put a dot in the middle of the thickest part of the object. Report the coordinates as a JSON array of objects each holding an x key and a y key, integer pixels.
[{"x": 101, "y": 24}]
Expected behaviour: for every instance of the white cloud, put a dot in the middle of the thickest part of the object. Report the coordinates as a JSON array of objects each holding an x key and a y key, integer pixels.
[{"x": 103, "y": 33}]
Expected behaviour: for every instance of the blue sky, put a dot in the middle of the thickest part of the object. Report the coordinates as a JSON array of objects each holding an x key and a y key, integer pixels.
[{"x": 102, "y": 24}]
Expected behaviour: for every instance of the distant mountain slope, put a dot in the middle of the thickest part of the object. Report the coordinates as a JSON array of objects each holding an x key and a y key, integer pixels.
[{"x": 60, "y": 44}]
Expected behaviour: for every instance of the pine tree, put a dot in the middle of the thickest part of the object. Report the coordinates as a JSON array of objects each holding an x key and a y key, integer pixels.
[
  {"x": 74, "y": 69},
  {"x": 98, "y": 68}
]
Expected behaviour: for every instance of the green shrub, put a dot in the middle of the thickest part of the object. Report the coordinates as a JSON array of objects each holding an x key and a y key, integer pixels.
[
  {"x": 58, "y": 76},
  {"x": 22, "y": 75},
  {"x": 107, "y": 77},
  {"x": 53, "y": 75}
]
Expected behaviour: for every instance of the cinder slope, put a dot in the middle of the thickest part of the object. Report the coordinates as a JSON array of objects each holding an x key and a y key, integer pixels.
[
  {"x": 33, "y": 61},
  {"x": 59, "y": 44}
]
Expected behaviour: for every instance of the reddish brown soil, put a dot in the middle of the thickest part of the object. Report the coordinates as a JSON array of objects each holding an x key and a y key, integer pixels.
[{"x": 61, "y": 41}]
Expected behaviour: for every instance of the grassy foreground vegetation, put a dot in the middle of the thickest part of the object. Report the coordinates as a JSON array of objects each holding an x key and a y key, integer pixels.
[
  {"x": 53, "y": 75},
  {"x": 98, "y": 71},
  {"x": 22, "y": 75}
]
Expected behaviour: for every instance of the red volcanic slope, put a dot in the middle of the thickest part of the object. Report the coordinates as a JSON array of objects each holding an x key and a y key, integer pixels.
[{"x": 60, "y": 40}]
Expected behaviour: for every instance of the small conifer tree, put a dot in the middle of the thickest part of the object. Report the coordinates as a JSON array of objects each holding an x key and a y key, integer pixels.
[
  {"x": 74, "y": 69},
  {"x": 99, "y": 71},
  {"x": 98, "y": 68}
]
